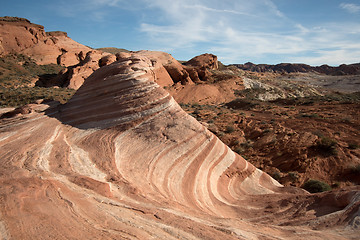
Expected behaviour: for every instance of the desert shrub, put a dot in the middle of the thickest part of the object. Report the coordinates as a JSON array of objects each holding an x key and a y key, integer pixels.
[
  {"x": 240, "y": 103},
  {"x": 327, "y": 146},
  {"x": 229, "y": 129},
  {"x": 313, "y": 115},
  {"x": 267, "y": 130},
  {"x": 276, "y": 176},
  {"x": 315, "y": 186},
  {"x": 197, "y": 111},
  {"x": 235, "y": 142},
  {"x": 353, "y": 146},
  {"x": 239, "y": 150},
  {"x": 247, "y": 144},
  {"x": 293, "y": 176},
  {"x": 355, "y": 169}
]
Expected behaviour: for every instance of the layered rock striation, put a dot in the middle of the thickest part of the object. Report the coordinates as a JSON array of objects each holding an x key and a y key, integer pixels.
[{"x": 122, "y": 160}]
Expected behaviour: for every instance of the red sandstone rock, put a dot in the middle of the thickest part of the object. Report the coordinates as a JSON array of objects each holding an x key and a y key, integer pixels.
[
  {"x": 106, "y": 60},
  {"x": 73, "y": 77},
  {"x": 175, "y": 69},
  {"x": 207, "y": 61},
  {"x": 19, "y": 35},
  {"x": 122, "y": 160}
]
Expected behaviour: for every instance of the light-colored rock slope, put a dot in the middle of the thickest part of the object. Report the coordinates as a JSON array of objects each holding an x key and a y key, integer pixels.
[{"x": 121, "y": 160}]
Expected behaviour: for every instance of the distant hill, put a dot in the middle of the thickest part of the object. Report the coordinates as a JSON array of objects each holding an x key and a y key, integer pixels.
[
  {"x": 352, "y": 69},
  {"x": 113, "y": 50}
]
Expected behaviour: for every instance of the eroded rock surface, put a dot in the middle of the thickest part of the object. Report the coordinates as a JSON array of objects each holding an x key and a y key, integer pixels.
[
  {"x": 122, "y": 160},
  {"x": 74, "y": 76},
  {"x": 19, "y": 35}
]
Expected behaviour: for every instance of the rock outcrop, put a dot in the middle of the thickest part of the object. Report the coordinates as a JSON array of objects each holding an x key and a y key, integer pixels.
[
  {"x": 74, "y": 76},
  {"x": 208, "y": 61},
  {"x": 122, "y": 160},
  {"x": 175, "y": 70},
  {"x": 19, "y": 35}
]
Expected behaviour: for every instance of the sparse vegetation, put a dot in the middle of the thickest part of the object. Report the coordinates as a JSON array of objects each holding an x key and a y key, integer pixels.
[
  {"x": 14, "y": 97},
  {"x": 269, "y": 140},
  {"x": 18, "y": 73},
  {"x": 113, "y": 50},
  {"x": 19, "y": 70},
  {"x": 315, "y": 186},
  {"x": 327, "y": 146}
]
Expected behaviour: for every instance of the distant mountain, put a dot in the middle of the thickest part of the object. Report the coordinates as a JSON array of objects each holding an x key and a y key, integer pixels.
[{"x": 352, "y": 69}]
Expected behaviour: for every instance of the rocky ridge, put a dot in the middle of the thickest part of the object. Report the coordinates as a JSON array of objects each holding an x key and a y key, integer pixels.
[{"x": 351, "y": 69}]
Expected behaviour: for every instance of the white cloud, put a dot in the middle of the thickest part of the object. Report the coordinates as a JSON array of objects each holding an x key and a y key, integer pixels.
[
  {"x": 333, "y": 58},
  {"x": 190, "y": 22},
  {"x": 274, "y": 8},
  {"x": 350, "y": 7},
  {"x": 236, "y": 31}
]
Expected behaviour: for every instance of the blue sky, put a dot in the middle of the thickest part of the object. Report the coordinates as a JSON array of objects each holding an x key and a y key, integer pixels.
[{"x": 237, "y": 31}]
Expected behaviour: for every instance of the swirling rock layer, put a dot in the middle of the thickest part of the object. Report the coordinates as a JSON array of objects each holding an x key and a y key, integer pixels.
[{"x": 121, "y": 160}]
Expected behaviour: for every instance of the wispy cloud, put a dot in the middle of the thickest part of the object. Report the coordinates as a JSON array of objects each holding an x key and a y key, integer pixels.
[
  {"x": 236, "y": 31},
  {"x": 350, "y": 7},
  {"x": 189, "y": 23},
  {"x": 251, "y": 30}
]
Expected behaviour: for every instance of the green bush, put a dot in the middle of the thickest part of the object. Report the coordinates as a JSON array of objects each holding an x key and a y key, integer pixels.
[{"x": 315, "y": 186}]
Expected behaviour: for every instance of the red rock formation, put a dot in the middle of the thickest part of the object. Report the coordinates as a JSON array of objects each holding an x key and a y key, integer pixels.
[
  {"x": 19, "y": 35},
  {"x": 74, "y": 76},
  {"x": 207, "y": 61},
  {"x": 176, "y": 70},
  {"x": 122, "y": 160}
]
